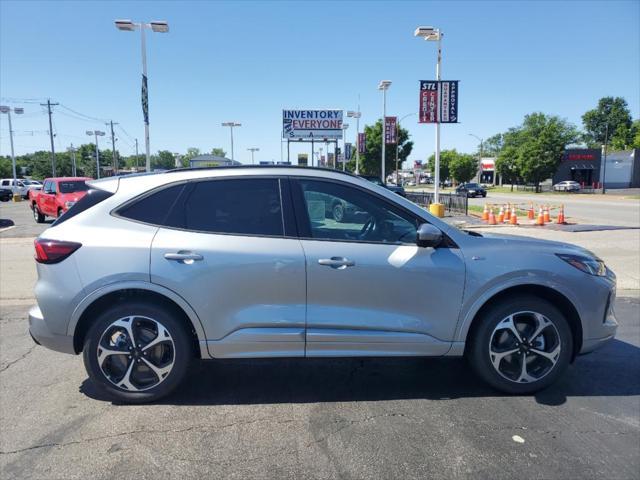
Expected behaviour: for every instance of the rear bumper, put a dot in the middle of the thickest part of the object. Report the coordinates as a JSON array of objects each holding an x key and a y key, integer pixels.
[{"x": 42, "y": 335}]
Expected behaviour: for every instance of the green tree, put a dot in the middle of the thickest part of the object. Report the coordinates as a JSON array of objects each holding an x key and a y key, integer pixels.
[
  {"x": 611, "y": 111},
  {"x": 6, "y": 170},
  {"x": 191, "y": 152},
  {"x": 493, "y": 145},
  {"x": 163, "y": 160},
  {"x": 463, "y": 167},
  {"x": 218, "y": 151},
  {"x": 506, "y": 164},
  {"x": 446, "y": 157},
  {"x": 370, "y": 160}
]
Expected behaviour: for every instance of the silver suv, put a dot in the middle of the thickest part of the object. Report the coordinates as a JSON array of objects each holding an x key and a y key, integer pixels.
[{"x": 147, "y": 273}]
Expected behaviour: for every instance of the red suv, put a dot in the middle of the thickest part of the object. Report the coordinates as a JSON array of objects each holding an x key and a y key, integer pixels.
[{"x": 57, "y": 196}]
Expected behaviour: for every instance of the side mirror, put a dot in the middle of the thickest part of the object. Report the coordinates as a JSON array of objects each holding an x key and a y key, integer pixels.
[{"x": 428, "y": 236}]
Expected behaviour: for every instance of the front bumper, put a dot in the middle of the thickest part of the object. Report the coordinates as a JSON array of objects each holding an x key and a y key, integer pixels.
[
  {"x": 42, "y": 335},
  {"x": 602, "y": 330}
]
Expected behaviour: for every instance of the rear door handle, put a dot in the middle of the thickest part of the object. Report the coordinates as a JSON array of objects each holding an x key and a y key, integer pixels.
[
  {"x": 339, "y": 263},
  {"x": 184, "y": 257}
]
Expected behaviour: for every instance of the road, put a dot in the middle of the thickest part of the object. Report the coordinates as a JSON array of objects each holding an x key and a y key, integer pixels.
[
  {"x": 363, "y": 418},
  {"x": 587, "y": 209}
]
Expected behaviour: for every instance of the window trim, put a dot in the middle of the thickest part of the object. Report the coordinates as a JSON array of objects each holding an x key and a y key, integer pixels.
[
  {"x": 188, "y": 187},
  {"x": 303, "y": 220}
]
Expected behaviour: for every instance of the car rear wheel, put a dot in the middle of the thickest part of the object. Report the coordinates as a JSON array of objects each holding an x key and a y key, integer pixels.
[
  {"x": 137, "y": 352},
  {"x": 37, "y": 216},
  {"x": 338, "y": 212},
  {"x": 521, "y": 345}
]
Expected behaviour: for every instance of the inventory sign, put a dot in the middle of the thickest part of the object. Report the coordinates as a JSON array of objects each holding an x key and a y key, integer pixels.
[
  {"x": 362, "y": 142},
  {"x": 390, "y": 130},
  {"x": 438, "y": 101},
  {"x": 308, "y": 124}
]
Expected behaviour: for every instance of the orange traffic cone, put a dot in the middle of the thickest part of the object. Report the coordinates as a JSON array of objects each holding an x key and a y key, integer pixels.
[
  {"x": 547, "y": 217},
  {"x": 485, "y": 213},
  {"x": 501, "y": 215},
  {"x": 507, "y": 212},
  {"x": 531, "y": 214},
  {"x": 561, "y": 215},
  {"x": 513, "y": 219},
  {"x": 492, "y": 217},
  {"x": 540, "y": 220}
]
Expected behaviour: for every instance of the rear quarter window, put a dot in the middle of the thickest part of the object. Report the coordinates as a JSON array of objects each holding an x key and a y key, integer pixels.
[{"x": 153, "y": 207}]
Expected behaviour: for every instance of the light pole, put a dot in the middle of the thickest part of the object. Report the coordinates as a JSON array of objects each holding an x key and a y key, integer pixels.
[
  {"x": 231, "y": 125},
  {"x": 17, "y": 111},
  {"x": 398, "y": 143},
  {"x": 480, "y": 160},
  {"x": 158, "y": 27},
  {"x": 604, "y": 163},
  {"x": 384, "y": 86},
  {"x": 72, "y": 151},
  {"x": 253, "y": 150},
  {"x": 432, "y": 34},
  {"x": 96, "y": 134},
  {"x": 356, "y": 115},
  {"x": 344, "y": 145}
]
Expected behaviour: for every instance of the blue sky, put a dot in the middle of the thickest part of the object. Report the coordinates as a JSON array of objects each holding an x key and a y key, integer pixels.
[{"x": 245, "y": 61}]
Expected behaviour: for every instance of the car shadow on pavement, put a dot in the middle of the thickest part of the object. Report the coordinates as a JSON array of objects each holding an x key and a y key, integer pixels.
[{"x": 612, "y": 371}]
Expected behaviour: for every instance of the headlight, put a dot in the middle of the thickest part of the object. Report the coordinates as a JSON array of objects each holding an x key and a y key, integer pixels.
[
  {"x": 590, "y": 265},
  {"x": 69, "y": 204}
]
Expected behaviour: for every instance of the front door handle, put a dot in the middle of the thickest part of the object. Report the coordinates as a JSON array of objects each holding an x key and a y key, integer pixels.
[
  {"x": 184, "y": 257},
  {"x": 339, "y": 263}
]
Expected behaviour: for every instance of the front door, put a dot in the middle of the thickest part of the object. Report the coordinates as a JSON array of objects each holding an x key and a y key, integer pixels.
[
  {"x": 227, "y": 251},
  {"x": 370, "y": 289}
]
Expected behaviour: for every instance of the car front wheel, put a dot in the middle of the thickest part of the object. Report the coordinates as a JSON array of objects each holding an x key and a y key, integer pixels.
[
  {"x": 37, "y": 216},
  {"x": 137, "y": 352},
  {"x": 521, "y": 345}
]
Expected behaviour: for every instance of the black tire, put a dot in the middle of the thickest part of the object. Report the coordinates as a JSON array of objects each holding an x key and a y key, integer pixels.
[
  {"x": 338, "y": 212},
  {"x": 37, "y": 216},
  {"x": 480, "y": 359},
  {"x": 182, "y": 351},
  {"x": 60, "y": 212},
  {"x": 484, "y": 195}
]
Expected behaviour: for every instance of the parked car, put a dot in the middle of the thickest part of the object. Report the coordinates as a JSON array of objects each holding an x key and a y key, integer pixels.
[
  {"x": 16, "y": 186},
  {"x": 145, "y": 274},
  {"x": 471, "y": 190},
  {"x": 5, "y": 194},
  {"x": 389, "y": 186},
  {"x": 567, "y": 186},
  {"x": 57, "y": 196}
]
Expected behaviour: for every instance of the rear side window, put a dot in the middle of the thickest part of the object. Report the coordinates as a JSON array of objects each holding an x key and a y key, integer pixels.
[
  {"x": 153, "y": 208},
  {"x": 92, "y": 198},
  {"x": 71, "y": 186},
  {"x": 250, "y": 206}
]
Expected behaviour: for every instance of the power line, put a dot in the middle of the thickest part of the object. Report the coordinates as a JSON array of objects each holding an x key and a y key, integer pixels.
[{"x": 89, "y": 117}]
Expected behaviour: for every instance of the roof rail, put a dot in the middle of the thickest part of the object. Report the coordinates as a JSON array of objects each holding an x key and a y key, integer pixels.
[{"x": 237, "y": 167}]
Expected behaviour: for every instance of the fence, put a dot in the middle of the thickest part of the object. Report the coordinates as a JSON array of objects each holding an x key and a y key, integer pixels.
[{"x": 452, "y": 203}]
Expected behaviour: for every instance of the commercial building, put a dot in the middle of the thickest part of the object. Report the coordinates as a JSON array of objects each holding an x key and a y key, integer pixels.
[
  {"x": 585, "y": 166},
  {"x": 212, "y": 161}
]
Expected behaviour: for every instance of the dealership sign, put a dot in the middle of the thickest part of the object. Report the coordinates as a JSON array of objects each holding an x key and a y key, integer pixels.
[
  {"x": 308, "y": 124},
  {"x": 362, "y": 142},
  {"x": 390, "y": 130},
  {"x": 438, "y": 101}
]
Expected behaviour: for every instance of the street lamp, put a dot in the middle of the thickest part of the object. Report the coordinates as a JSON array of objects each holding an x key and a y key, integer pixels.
[
  {"x": 253, "y": 150},
  {"x": 384, "y": 86},
  {"x": 344, "y": 145},
  {"x": 231, "y": 125},
  {"x": 356, "y": 115},
  {"x": 480, "y": 161},
  {"x": 158, "y": 27},
  {"x": 432, "y": 34},
  {"x": 96, "y": 134},
  {"x": 398, "y": 143},
  {"x": 17, "y": 111}
]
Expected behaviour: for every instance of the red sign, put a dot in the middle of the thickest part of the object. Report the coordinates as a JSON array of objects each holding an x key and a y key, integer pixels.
[
  {"x": 428, "y": 102},
  {"x": 362, "y": 142},
  {"x": 580, "y": 156},
  {"x": 390, "y": 124}
]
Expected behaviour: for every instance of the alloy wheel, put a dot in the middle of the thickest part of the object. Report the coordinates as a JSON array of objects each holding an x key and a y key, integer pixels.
[
  {"x": 524, "y": 347},
  {"x": 136, "y": 353}
]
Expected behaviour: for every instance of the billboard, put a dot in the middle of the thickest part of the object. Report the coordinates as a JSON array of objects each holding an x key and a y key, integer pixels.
[
  {"x": 390, "y": 130},
  {"x": 438, "y": 101},
  {"x": 362, "y": 143},
  {"x": 308, "y": 124},
  {"x": 303, "y": 159}
]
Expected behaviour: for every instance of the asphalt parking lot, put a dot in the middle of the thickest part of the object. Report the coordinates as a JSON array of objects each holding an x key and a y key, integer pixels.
[{"x": 364, "y": 418}]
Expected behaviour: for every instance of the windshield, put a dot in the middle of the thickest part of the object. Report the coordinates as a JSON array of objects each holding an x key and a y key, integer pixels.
[
  {"x": 73, "y": 186},
  {"x": 375, "y": 180}
]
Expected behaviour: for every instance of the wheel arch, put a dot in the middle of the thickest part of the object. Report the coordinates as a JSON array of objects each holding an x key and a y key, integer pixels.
[
  {"x": 98, "y": 301},
  {"x": 556, "y": 298}
]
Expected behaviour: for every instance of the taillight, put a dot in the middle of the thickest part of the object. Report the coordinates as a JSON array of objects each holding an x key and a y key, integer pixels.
[{"x": 53, "y": 251}]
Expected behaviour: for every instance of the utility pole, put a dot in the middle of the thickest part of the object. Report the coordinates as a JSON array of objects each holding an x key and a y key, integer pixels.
[
  {"x": 113, "y": 149},
  {"x": 53, "y": 150},
  {"x": 73, "y": 161},
  {"x": 136, "y": 155},
  {"x": 604, "y": 163}
]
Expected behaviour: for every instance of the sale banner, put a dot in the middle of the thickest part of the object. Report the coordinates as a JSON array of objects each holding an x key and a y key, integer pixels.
[
  {"x": 438, "y": 101},
  {"x": 362, "y": 142},
  {"x": 428, "y": 109},
  {"x": 390, "y": 131}
]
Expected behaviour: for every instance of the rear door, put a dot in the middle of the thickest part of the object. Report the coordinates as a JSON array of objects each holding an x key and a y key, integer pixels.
[
  {"x": 229, "y": 248},
  {"x": 370, "y": 289}
]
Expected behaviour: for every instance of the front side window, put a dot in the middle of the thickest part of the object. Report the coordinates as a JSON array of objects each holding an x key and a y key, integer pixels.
[
  {"x": 339, "y": 212},
  {"x": 250, "y": 206}
]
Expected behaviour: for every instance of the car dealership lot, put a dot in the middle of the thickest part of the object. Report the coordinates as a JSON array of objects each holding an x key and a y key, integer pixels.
[{"x": 403, "y": 418}]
